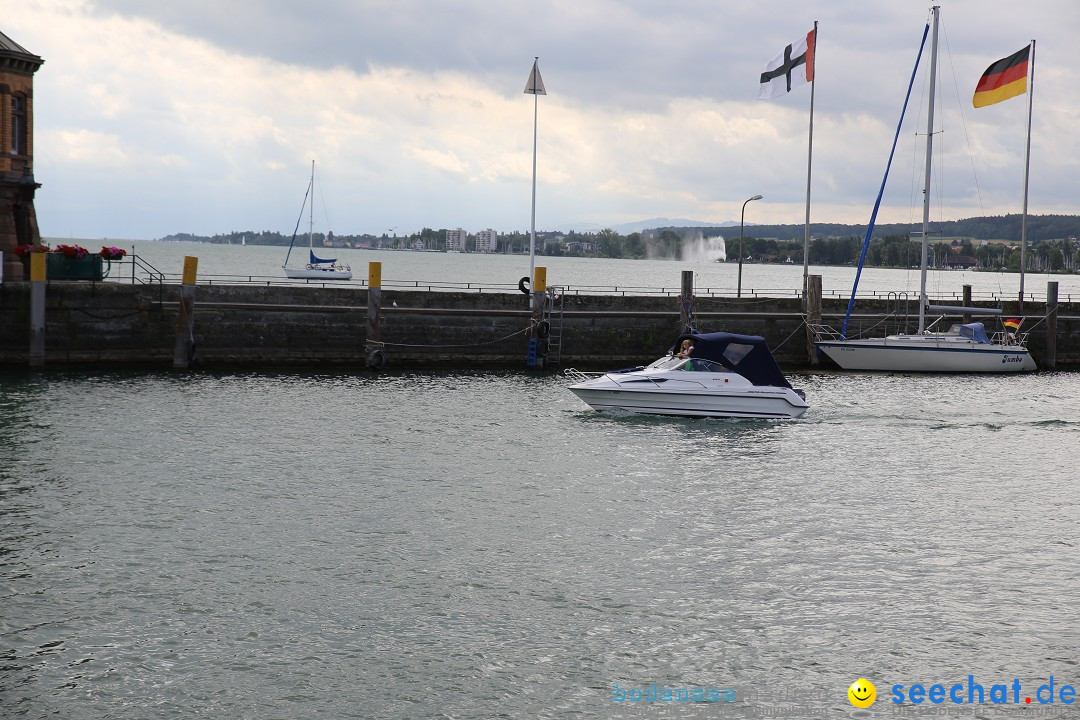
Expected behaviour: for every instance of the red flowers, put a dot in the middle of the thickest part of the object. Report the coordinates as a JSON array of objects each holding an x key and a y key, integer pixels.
[
  {"x": 112, "y": 253},
  {"x": 73, "y": 251},
  {"x": 27, "y": 249}
]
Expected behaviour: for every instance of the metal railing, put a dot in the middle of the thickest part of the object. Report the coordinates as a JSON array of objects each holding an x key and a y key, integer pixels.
[{"x": 142, "y": 272}]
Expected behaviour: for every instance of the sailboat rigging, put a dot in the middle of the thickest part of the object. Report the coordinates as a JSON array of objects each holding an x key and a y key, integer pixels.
[
  {"x": 963, "y": 348},
  {"x": 316, "y": 268}
]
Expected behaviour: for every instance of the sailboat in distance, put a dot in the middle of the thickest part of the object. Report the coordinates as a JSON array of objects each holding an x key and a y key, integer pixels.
[
  {"x": 963, "y": 348},
  {"x": 316, "y": 268}
]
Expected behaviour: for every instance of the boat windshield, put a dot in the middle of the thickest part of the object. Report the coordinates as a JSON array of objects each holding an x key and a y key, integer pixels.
[
  {"x": 669, "y": 362},
  {"x": 696, "y": 364},
  {"x": 703, "y": 365}
]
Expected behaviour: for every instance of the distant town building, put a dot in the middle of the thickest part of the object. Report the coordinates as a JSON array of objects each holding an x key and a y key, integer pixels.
[
  {"x": 960, "y": 262},
  {"x": 583, "y": 247},
  {"x": 18, "y": 220},
  {"x": 487, "y": 241},
  {"x": 455, "y": 240}
]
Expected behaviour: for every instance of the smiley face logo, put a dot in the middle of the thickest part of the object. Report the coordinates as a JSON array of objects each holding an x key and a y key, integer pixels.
[{"x": 862, "y": 693}]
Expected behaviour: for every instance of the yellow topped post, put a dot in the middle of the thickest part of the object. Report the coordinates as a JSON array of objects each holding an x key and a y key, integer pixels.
[
  {"x": 37, "y": 267},
  {"x": 191, "y": 269},
  {"x": 37, "y": 309},
  {"x": 185, "y": 318},
  {"x": 540, "y": 281},
  {"x": 376, "y": 352},
  {"x": 538, "y": 334}
]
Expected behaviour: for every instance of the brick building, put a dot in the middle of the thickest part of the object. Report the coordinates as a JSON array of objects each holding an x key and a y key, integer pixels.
[{"x": 18, "y": 221}]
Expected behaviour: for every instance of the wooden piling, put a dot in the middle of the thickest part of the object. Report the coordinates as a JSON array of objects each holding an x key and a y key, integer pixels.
[
  {"x": 37, "y": 310},
  {"x": 1050, "y": 361},
  {"x": 184, "y": 350},
  {"x": 967, "y": 303},
  {"x": 813, "y": 316},
  {"x": 686, "y": 302}
]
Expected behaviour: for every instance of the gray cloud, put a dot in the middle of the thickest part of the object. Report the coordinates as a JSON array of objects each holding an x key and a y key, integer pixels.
[{"x": 649, "y": 103}]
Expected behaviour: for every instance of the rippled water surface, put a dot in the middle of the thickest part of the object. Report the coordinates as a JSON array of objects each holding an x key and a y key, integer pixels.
[{"x": 359, "y": 546}]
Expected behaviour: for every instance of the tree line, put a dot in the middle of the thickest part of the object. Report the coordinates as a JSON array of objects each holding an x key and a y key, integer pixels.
[{"x": 1053, "y": 244}]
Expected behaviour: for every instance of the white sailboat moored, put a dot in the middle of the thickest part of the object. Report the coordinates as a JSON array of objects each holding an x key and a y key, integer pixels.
[
  {"x": 316, "y": 268},
  {"x": 963, "y": 348}
]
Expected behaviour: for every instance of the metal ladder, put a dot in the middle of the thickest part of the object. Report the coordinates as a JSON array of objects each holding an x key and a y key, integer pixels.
[
  {"x": 898, "y": 306},
  {"x": 553, "y": 314}
]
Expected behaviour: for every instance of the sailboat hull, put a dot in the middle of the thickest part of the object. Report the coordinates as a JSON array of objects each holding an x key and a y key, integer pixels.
[
  {"x": 927, "y": 354},
  {"x": 317, "y": 274}
]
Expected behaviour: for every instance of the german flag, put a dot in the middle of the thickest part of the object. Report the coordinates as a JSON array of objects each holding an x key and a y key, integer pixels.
[
  {"x": 1004, "y": 79},
  {"x": 1011, "y": 324}
]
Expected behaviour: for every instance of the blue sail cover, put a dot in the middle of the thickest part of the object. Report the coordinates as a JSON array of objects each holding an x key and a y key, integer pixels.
[
  {"x": 974, "y": 331},
  {"x": 320, "y": 261},
  {"x": 748, "y": 355}
]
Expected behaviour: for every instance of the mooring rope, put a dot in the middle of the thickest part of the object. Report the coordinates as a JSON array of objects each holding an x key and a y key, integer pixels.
[
  {"x": 801, "y": 326},
  {"x": 688, "y": 307}
]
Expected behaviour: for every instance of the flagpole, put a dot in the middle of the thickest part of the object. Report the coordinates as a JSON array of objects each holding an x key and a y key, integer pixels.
[
  {"x": 809, "y": 166},
  {"x": 532, "y": 225},
  {"x": 1027, "y": 171}
]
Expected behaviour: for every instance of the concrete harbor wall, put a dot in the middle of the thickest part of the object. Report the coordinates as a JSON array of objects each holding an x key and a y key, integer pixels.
[{"x": 258, "y": 326}]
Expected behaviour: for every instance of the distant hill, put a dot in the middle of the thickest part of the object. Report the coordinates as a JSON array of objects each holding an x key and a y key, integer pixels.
[
  {"x": 639, "y": 225},
  {"x": 997, "y": 227}
]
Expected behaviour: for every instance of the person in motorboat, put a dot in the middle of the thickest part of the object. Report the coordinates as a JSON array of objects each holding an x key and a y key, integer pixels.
[{"x": 685, "y": 348}]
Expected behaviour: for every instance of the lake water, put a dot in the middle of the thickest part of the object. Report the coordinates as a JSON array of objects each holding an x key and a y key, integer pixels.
[
  {"x": 313, "y": 545},
  {"x": 401, "y": 269}
]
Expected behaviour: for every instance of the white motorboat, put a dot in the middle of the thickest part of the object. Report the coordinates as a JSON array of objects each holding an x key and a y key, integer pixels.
[
  {"x": 727, "y": 375},
  {"x": 316, "y": 268}
]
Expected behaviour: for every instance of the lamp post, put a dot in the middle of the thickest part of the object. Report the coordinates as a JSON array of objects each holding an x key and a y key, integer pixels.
[{"x": 742, "y": 218}]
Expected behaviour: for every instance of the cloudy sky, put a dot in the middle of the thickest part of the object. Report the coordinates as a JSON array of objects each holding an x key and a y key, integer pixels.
[{"x": 203, "y": 116}]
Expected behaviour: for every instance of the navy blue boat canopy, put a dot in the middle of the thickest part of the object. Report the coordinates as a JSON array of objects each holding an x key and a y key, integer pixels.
[
  {"x": 748, "y": 355},
  {"x": 320, "y": 261}
]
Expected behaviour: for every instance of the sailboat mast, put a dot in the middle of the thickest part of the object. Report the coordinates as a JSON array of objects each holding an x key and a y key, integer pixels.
[
  {"x": 926, "y": 182},
  {"x": 311, "y": 213},
  {"x": 1027, "y": 171}
]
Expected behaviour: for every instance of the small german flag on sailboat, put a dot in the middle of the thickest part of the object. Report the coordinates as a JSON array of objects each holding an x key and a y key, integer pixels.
[
  {"x": 1011, "y": 324},
  {"x": 1004, "y": 79}
]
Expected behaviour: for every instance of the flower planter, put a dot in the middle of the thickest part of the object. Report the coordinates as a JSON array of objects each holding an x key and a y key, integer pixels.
[{"x": 64, "y": 267}]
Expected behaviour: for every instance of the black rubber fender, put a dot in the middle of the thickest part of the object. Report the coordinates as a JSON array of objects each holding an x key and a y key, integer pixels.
[
  {"x": 543, "y": 329},
  {"x": 376, "y": 359},
  {"x": 523, "y": 284}
]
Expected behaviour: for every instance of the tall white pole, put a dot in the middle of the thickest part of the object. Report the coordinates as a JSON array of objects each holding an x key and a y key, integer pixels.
[
  {"x": 1027, "y": 171},
  {"x": 809, "y": 165},
  {"x": 532, "y": 225},
  {"x": 926, "y": 184}
]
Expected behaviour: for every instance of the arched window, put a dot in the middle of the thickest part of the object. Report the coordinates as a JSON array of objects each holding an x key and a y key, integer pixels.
[{"x": 18, "y": 124}]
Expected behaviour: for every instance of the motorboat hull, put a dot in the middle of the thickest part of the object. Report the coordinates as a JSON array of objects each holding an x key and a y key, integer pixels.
[
  {"x": 915, "y": 354},
  {"x": 696, "y": 399}
]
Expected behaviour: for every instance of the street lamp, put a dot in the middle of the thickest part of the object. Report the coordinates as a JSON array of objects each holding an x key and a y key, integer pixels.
[{"x": 742, "y": 218}]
